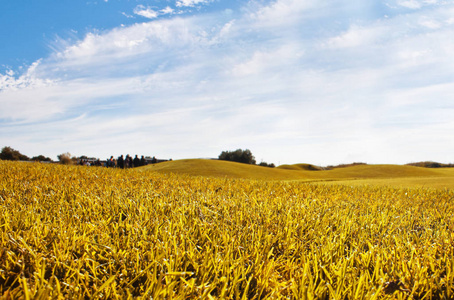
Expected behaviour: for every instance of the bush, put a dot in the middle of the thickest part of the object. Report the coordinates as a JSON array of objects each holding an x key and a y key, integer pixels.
[{"x": 65, "y": 158}]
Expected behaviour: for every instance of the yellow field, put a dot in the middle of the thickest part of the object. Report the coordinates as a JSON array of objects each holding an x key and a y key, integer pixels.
[{"x": 84, "y": 232}]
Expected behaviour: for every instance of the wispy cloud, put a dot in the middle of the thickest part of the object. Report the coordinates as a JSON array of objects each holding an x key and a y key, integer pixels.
[
  {"x": 28, "y": 80},
  {"x": 417, "y": 4},
  {"x": 292, "y": 80},
  {"x": 167, "y": 10},
  {"x": 146, "y": 12},
  {"x": 191, "y": 3},
  {"x": 150, "y": 13}
]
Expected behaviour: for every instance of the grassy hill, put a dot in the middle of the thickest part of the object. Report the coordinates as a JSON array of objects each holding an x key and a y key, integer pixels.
[
  {"x": 219, "y": 168},
  {"x": 394, "y": 175}
]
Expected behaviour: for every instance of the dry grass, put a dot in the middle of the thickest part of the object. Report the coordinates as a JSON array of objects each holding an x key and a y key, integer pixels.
[{"x": 70, "y": 232}]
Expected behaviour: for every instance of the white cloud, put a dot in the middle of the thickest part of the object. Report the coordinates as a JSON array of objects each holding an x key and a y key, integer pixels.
[
  {"x": 284, "y": 12},
  {"x": 152, "y": 40},
  {"x": 28, "y": 80},
  {"x": 150, "y": 13},
  {"x": 431, "y": 24},
  {"x": 413, "y": 4},
  {"x": 127, "y": 15},
  {"x": 263, "y": 62},
  {"x": 146, "y": 12},
  {"x": 418, "y": 4},
  {"x": 45, "y": 102},
  {"x": 358, "y": 36},
  {"x": 191, "y": 3},
  {"x": 167, "y": 10}
]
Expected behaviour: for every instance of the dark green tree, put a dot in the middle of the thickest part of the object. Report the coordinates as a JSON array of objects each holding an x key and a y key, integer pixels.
[
  {"x": 264, "y": 164},
  {"x": 9, "y": 153},
  {"x": 41, "y": 158},
  {"x": 239, "y": 155}
]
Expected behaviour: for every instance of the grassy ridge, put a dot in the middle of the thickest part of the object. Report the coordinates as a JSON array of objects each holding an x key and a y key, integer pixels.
[
  {"x": 72, "y": 232},
  {"x": 363, "y": 174}
]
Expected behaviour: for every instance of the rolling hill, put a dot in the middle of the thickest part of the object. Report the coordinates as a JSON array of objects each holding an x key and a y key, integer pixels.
[{"x": 398, "y": 175}]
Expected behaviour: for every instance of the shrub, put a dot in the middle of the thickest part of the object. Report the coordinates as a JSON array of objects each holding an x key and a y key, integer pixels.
[{"x": 65, "y": 158}]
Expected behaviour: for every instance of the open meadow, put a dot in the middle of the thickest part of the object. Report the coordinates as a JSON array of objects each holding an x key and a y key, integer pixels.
[{"x": 233, "y": 232}]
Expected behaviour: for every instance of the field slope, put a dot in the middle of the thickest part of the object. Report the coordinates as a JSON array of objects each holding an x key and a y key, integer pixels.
[{"x": 397, "y": 175}]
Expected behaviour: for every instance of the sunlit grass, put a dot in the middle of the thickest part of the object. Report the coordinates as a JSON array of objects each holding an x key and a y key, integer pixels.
[{"x": 80, "y": 232}]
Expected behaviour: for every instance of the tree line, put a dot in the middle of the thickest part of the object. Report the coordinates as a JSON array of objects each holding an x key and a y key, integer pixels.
[
  {"x": 239, "y": 155},
  {"x": 9, "y": 153}
]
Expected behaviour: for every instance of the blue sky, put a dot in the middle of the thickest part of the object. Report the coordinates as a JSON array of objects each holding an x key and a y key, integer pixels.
[{"x": 294, "y": 81}]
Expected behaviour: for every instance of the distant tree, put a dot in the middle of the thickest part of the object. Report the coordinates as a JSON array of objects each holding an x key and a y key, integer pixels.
[
  {"x": 431, "y": 164},
  {"x": 65, "y": 158},
  {"x": 264, "y": 164},
  {"x": 41, "y": 158},
  {"x": 239, "y": 155},
  {"x": 9, "y": 153}
]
